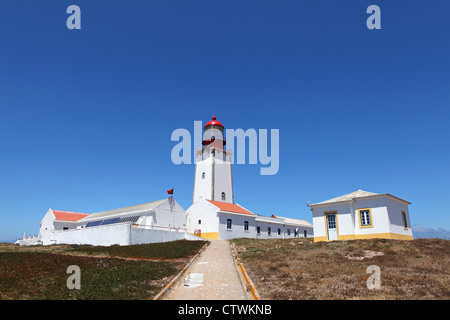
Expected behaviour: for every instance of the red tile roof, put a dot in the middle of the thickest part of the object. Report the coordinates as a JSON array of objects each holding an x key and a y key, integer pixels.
[
  {"x": 230, "y": 207},
  {"x": 68, "y": 216}
]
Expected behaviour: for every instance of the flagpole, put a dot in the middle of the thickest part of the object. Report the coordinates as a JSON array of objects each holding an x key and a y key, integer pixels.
[{"x": 171, "y": 204}]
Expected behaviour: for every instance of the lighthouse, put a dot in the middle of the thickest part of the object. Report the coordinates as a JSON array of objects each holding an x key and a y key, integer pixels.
[{"x": 213, "y": 176}]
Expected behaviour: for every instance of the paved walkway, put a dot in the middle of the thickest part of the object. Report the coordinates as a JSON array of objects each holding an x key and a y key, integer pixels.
[{"x": 212, "y": 277}]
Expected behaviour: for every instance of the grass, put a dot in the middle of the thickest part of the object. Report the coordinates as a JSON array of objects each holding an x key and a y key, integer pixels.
[
  {"x": 129, "y": 272},
  {"x": 301, "y": 269}
]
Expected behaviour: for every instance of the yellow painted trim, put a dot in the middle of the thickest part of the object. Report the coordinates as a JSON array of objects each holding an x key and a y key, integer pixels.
[
  {"x": 318, "y": 239},
  {"x": 326, "y": 224},
  {"x": 404, "y": 221},
  {"x": 370, "y": 215},
  {"x": 249, "y": 282},
  {"x": 386, "y": 235},
  {"x": 399, "y": 236},
  {"x": 210, "y": 235}
]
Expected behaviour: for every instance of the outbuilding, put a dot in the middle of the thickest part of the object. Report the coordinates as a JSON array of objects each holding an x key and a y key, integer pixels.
[{"x": 361, "y": 215}]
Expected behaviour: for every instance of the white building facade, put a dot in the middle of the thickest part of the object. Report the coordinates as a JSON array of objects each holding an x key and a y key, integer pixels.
[
  {"x": 221, "y": 220},
  {"x": 361, "y": 215}
]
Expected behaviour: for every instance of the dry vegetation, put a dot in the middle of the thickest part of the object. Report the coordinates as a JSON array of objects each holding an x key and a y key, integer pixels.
[
  {"x": 301, "y": 269},
  {"x": 128, "y": 272}
]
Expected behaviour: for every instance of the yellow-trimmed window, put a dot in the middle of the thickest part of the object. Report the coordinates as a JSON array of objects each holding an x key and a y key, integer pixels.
[{"x": 365, "y": 218}]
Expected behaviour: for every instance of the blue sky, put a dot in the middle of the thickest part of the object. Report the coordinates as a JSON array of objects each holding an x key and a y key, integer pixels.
[{"x": 86, "y": 115}]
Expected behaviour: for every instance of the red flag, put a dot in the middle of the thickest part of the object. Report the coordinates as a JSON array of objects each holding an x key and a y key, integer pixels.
[{"x": 170, "y": 191}]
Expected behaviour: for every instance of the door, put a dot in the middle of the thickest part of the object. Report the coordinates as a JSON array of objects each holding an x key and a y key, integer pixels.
[{"x": 332, "y": 226}]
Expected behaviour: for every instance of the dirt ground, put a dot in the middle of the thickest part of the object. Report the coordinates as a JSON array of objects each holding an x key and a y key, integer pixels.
[{"x": 300, "y": 269}]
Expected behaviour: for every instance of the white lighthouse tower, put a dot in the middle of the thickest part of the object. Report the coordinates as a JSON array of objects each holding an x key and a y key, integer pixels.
[{"x": 213, "y": 176}]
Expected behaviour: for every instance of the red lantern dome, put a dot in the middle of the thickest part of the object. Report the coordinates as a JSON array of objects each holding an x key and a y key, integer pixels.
[
  {"x": 213, "y": 122},
  {"x": 214, "y": 135}
]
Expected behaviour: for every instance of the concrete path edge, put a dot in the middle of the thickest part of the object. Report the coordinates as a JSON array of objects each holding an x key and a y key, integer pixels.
[{"x": 172, "y": 284}]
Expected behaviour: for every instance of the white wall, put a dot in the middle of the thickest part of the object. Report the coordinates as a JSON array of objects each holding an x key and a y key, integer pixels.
[
  {"x": 380, "y": 219},
  {"x": 395, "y": 208},
  {"x": 202, "y": 186},
  {"x": 223, "y": 179},
  {"x": 171, "y": 218},
  {"x": 264, "y": 232},
  {"x": 345, "y": 222},
  {"x": 46, "y": 227},
  {"x": 141, "y": 236},
  {"x": 237, "y": 226},
  {"x": 204, "y": 211},
  {"x": 222, "y": 176},
  {"x": 237, "y": 230},
  {"x": 60, "y": 225},
  {"x": 114, "y": 234},
  {"x": 100, "y": 236},
  {"x": 309, "y": 232}
]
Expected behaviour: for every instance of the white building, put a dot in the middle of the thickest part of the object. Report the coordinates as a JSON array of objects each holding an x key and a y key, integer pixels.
[
  {"x": 210, "y": 219},
  {"x": 213, "y": 213},
  {"x": 361, "y": 215},
  {"x": 157, "y": 221},
  {"x": 57, "y": 220}
]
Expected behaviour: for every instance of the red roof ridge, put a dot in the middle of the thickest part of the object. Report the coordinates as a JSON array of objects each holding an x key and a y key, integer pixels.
[{"x": 69, "y": 211}]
